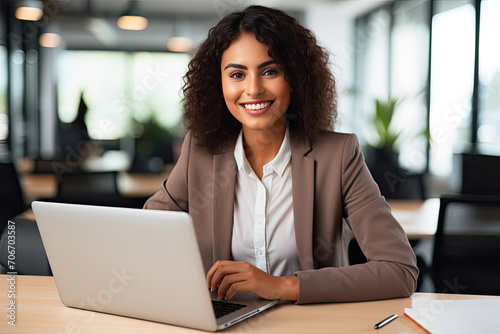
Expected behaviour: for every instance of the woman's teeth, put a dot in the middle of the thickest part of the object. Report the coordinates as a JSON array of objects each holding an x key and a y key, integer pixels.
[{"x": 257, "y": 106}]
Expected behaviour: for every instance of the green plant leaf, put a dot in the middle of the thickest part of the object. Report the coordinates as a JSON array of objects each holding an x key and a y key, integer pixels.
[{"x": 384, "y": 112}]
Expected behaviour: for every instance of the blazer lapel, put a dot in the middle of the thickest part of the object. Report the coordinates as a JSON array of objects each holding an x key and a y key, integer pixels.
[
  {"x": 223, "y": 183},
  {"x": 303, "y": 179}
]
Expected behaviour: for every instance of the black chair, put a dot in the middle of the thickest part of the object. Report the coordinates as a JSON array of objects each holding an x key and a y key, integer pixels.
[
  {"x": 476, "y": 174},
  {"x": 11, "y": 194},
  {"x": 94, "y": 188},
  {"x": 400, "y": 184},
  {"x": 466, "y": 256},
  {"x": 55, "y": 166},
  {"x": 30, "y": 257},
  {"x": 91, "y": 188},
  {"x": 87, "y": 184}
]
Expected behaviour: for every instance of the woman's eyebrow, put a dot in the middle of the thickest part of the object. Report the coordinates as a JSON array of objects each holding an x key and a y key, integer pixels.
[
  {"x": 264, "y": 64},
  {"x": 243, "y": 67}
]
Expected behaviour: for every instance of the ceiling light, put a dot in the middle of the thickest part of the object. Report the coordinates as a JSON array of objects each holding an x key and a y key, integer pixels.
[
  {"x": 180, "y": 44},
  {"x": 50, "y": 40},
  {"x": 29, "y": 10},
  {"x": 132, "y": 22},
  {"x": 132, "y": 19}
]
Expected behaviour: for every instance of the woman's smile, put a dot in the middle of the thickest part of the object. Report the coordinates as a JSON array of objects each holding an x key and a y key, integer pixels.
[{"x": 256, "y": 108}]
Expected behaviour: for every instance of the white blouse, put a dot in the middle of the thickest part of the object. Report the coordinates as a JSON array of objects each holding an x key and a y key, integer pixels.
[{"x": 263, "y": 229}]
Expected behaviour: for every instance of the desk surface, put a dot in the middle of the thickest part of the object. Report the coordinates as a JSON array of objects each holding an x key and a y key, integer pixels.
[{"x": 39, "y": 310}]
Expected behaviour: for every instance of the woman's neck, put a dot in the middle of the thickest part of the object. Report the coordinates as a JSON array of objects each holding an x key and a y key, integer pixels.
[{"x": 262, "y": 147}]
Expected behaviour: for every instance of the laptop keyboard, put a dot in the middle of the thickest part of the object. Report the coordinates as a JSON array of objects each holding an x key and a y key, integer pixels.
[{"x": 223, "y": 308}]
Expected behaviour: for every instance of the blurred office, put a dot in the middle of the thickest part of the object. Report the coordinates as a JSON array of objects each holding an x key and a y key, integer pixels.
[{"x": 90, "y": 93}]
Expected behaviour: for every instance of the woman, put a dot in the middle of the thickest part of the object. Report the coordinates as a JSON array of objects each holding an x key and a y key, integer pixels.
[{"x": 275, "y": 196}]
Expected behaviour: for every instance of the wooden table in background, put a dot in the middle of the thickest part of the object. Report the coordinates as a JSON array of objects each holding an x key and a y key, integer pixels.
[
  {"x": 418, "y": 218},
  {"x": 36, "y": 186}
]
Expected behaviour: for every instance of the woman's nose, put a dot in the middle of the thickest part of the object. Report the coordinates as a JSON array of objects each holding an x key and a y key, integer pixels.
[{"x": 254, "y": 86}]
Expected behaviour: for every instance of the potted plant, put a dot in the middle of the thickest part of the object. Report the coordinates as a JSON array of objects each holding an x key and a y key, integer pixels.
[
  {"x": 153, "y": 145},
  {"x": 382, "y": 155},
  {"x": 383, "y": 151}
]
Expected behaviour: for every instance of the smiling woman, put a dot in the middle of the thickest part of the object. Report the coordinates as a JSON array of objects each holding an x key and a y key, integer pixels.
[
  {"x": 275, "y": 196},
  {"x": 313, "y": 107},
  {"x": 257, "y": 95}
]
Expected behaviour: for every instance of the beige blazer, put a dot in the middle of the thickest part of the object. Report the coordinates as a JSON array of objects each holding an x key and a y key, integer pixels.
[{"x": 334, "y": 198}]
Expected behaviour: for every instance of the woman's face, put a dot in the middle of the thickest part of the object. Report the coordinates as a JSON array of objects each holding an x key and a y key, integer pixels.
[{"x": 254, "y": 85}]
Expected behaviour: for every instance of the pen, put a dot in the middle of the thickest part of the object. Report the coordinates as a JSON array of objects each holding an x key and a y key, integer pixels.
[{"x": 386, "y": 321}]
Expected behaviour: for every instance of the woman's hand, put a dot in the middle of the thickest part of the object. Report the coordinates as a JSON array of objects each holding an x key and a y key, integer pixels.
[{"x": 229, "y": 277}]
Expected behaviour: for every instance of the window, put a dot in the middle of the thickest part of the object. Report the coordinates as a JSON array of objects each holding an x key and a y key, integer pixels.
[
  {"x": 464, "y": 73},
  {"x": 120, "y": 87},
  {"x": 392, "y": 62},
  {"x": 409, "y": 77},
  {"x": 489, "y": 74},
  {"x": 452, "y": 78},
  {"x": 4, "y": 118},
  {"x": 372, "y": 67},
  {"x": 4, "y": 121}
]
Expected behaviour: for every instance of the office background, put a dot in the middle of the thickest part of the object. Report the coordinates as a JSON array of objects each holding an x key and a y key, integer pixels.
[
  {"x": 418, "y": 82},
  {"x": 440, "y": 59}
]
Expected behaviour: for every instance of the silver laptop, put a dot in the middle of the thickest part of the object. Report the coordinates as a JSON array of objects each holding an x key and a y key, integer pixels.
[{"x": 143, "y": 264}]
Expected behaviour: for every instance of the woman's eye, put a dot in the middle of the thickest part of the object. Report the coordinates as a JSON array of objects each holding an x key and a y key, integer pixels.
[
  {"x": 270, "y": 72},
  {"x": 237, "y": 75}
]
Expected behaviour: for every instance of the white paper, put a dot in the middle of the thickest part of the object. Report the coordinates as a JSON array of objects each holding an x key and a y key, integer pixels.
[{"x": 457, "y": 316}]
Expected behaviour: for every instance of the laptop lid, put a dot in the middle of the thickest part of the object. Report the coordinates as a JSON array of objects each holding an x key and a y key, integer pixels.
[{"x": 139, "y": 263}]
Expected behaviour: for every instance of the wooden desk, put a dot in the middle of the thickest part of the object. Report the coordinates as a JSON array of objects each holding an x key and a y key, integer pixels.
[
  {"x": 37, "y": 186},
  {"x": 39, "y": 310},
  {"x": 418, "y": 218}
]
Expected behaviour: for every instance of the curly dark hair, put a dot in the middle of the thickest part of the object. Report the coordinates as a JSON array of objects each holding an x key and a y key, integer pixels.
[{"x": 313, "y": 97}]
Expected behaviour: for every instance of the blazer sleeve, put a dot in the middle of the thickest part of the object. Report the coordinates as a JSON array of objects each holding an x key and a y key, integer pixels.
[
  {"x": 391, "y": 270},
  {"x": 173, "y": 192}
]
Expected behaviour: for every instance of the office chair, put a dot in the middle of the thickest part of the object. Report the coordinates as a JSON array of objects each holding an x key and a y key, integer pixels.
[
  {"x": 78, "y": 184},
  {"x": 54, "y": 166},
  {"x": 30, "y": 256},
  {"x": 94, "y": 188},
  {"x": 99, "y": 188},
  {"x": 476, "y": 174},
  {"x": 11, "y": 194},
  {"x": 466, "y": 255},
  {"x": 400, "y": 184}
]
